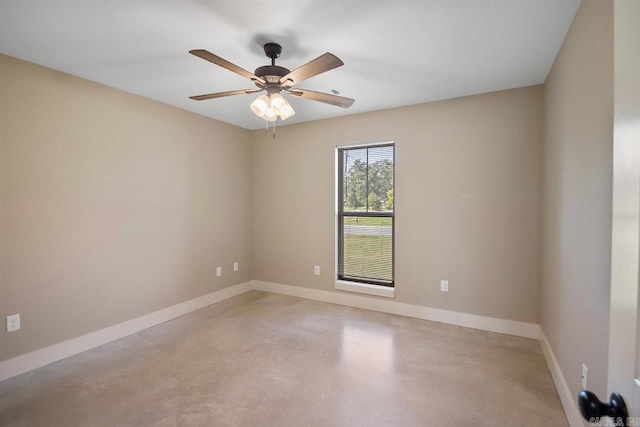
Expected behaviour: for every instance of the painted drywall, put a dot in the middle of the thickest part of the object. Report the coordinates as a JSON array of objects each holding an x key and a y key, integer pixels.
[
  {"x": 625, "y": 241},
  {"x": 112, "y": 206},
  {"x": 625, "y": 233},
  {"x": 577, "y": 178},
  {"x": 468, "y": 194}
]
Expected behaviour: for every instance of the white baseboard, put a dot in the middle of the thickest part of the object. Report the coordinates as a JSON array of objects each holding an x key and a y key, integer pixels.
[
  {"x": 568, "y": 400},
  {"x": 511, "y": 327},
  {"x": 35, "y": 359}
]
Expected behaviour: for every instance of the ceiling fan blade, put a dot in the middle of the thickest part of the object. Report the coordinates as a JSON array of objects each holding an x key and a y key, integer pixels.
[
  {"x": 321, "y": 64},
  {"x": 327, "y": 98},
  {"x": 221, "y": 94},
  {"x": 215, "y": 59}
]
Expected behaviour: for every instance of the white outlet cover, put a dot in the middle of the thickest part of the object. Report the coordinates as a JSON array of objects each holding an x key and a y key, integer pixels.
[
  {"x": 235, "y": 266},
  {"x": 316, "y": 270},
  {"x": 584, "y": 376},
  {"x": 444, "y": 285},
  {"x": 13, "y": 323},
  {"x": 218, "y": 271}
]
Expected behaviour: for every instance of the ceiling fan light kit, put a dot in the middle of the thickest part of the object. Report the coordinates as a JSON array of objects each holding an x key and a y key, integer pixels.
[
  {"x": 271, "y": 107},
  {"x": 274, "y": 79}
]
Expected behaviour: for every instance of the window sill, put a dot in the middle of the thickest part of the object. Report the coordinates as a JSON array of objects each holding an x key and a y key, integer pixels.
[{"x": 364, "y": 288}]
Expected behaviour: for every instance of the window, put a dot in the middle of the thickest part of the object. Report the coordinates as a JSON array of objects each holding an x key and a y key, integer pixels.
[{"x": 366, "y": 214}]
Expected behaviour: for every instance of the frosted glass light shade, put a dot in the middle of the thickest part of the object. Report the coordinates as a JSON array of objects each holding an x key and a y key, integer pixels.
[
  {"x": 260, "y": 105},
  {"x": 270, "y": 115},
  {"x": 286, "y": 111},
  {"x": 277, "y": 102}
]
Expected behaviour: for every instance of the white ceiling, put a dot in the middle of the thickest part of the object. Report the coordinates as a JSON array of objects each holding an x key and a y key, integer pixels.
[{"x": 395, "y": 52}]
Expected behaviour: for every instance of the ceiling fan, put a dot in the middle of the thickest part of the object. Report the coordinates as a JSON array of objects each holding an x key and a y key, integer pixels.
[{"x": 274, "y": 79}]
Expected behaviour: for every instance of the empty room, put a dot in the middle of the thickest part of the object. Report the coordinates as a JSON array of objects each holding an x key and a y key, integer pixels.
[{"x": 322, "y": 213}]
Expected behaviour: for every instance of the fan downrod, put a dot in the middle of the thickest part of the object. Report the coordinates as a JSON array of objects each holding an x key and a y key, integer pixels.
[{"x": 271, "y": 73}]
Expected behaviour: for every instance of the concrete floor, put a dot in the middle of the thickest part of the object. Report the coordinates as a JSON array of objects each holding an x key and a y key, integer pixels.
[{"x": 272, "y": 360}]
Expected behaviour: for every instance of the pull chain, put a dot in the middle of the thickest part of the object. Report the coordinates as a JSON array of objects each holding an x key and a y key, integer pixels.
[{"x": 273, "y": 128}]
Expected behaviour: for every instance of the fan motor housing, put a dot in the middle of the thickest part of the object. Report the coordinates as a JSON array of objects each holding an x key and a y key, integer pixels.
[{"x": 271, "y": 73}]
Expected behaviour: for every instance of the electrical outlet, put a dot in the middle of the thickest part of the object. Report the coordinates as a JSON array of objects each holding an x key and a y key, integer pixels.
[
  {"x": 316, "y": 270},
  {"x": 583, "y": 377},
  {"x": 13, "y": 323},
  {"x": 218, "y": 271},
  {"x": 236, "y": 266},
  {"x": 444, "y": 285}
]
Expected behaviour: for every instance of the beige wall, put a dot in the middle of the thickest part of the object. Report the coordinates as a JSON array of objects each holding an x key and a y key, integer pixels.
[
  {"x": 468, "y": 194},
  {"x": 578, "y": 110},
  {"x": 113, "y": 206}
]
